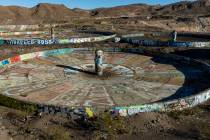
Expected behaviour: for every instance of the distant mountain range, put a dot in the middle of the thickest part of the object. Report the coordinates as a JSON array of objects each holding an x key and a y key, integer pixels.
[{"x": 52, "y": 13}]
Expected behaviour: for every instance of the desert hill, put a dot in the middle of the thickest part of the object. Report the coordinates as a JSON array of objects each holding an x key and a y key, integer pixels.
[
  {"x": 127, "y": 10},
  {"x": 41, "y": 13},
  {"x": 54, "y": 13},
  {"x": 200, "y": 7}
]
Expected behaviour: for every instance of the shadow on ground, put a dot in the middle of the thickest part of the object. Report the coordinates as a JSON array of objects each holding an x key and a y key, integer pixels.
[{"x": 194, "y": 82}]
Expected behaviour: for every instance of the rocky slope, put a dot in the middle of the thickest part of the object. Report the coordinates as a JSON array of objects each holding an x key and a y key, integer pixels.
[
  {"x": 181, "y": 16},
  {"x": 128, "y": 10},
  {"x": 200, "y": 7},
  {"x": 47, "y": 13},
  {"x": 41, "y": 13}
]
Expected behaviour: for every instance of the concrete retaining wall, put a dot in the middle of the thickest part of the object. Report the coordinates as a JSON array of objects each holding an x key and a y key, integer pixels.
[
  {"x": 61, "y": 110},
  {"x": 177, "y": 104},
  {"x": 54, "y": 41},
  {"x": 172, "y": 105},
  {"x": 22, "y": 27},
  {"x": 133, "y": 35},
  {"x": 22, "y": 33},
  {"x": 165, "y": 43}
]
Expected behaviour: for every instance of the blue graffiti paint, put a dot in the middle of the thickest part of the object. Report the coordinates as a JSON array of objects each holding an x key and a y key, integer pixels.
[
  {"x": 30, "y": 42},
  {"x": 5, "y": 62},
  {"x": 158, "y": 43},
  {"x": 2, "y": 42}
]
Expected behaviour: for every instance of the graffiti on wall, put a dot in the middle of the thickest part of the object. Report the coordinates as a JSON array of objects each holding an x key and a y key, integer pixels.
[
  {"x": 53, "y": 41},
  {"x": 22, "y": 33},
  {"x": 22, "y": 27},
  {"x": 34, "y": 55},
  {"x": 30, "y": 42},
  {"x": 160, "y": 43},
  {"x": 130, "y": 38},
  {"x": 200, "y": 44},
  {"x": 177, "y": 104},
  {"x": 133, "y": 35},
  {"x": 61, "y": 110},
  {"x": 74, "y": 113}
]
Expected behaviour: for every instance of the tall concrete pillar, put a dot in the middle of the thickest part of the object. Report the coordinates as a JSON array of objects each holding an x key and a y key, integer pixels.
[
  {"x": 52, "y": 31},
  {"x": 174, "y": 34},
  {"x": 99, "y": 62}
]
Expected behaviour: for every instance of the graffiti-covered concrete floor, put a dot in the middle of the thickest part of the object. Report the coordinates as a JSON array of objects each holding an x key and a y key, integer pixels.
[{"x": 128, "y": 79}]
